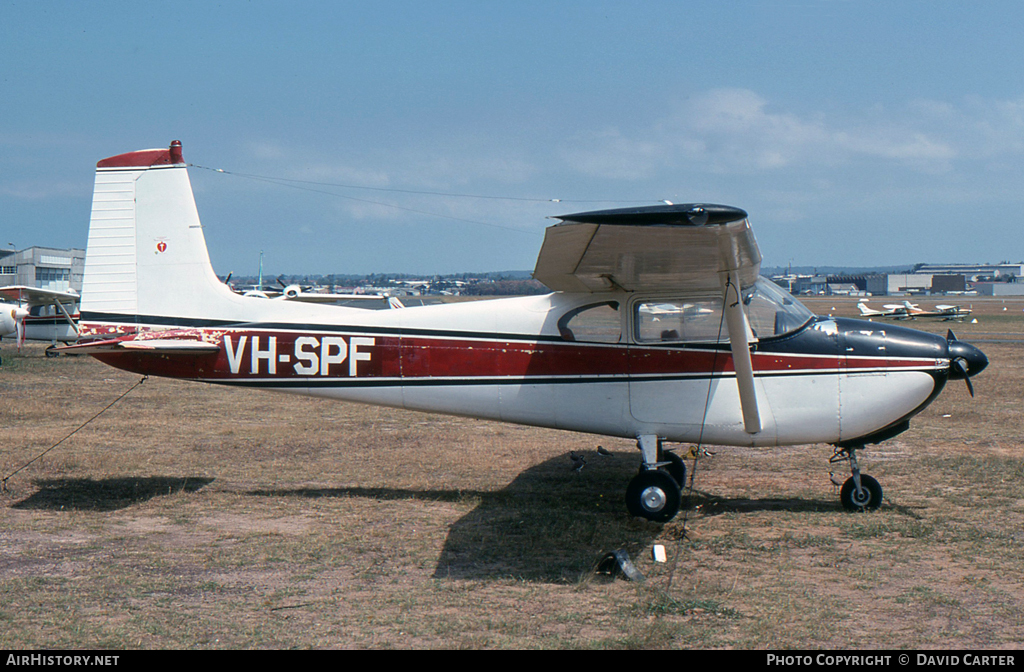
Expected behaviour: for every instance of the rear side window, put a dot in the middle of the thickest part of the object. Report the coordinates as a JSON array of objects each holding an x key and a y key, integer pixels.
[{"x": 598, "y": 323}]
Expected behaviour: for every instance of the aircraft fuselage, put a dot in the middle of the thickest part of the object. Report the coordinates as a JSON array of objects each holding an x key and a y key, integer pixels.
[{"x": 832, "y": 380}]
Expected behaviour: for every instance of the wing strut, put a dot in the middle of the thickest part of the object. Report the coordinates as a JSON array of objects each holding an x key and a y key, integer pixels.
[
  {"x": 740, "y": 338},
  {"x": 67, "y": 316}
]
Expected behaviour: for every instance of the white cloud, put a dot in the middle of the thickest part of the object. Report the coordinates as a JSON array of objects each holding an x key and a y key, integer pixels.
[{"x": 739, "y": 131}]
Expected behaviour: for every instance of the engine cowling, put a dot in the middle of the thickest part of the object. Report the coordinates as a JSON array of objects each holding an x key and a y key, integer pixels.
[{"x": 10, "y": 317}]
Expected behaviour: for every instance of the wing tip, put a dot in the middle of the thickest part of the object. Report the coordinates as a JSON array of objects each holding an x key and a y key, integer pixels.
[{"x": 684, "y": 214}]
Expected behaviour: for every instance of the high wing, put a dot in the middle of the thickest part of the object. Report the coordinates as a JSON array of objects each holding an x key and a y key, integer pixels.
[
  {"x": 34, "y": 296},
  {"x": 667, "y": 247},
  {"x": 693, "y": 248}
]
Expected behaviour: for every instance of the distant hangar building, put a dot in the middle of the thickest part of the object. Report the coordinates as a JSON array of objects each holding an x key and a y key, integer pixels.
[
  {"x": 1002, "y": 272},
  {"x": 1003, "y": 279},
  {"x": 43, "y": 267},
  {"x": 878, "y": 284}
]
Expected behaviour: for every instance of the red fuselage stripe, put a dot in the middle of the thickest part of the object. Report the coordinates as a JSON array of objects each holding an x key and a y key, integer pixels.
[{"x": 286, "y": 354}]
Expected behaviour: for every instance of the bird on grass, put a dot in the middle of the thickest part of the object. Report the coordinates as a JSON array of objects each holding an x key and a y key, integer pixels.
[
  {"x": 835, "y": 481},
  {"x": 601, "y": 450},
  {"x": 696, "y": 452},
  {"x": 578, "y": 461}
]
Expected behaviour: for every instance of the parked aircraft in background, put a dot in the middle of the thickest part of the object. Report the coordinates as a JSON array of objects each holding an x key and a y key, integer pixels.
[
  {"x": 744, "y": 363},
  {"x": 890, "y": 310},
  {"x": 910, "y": 311},
  {"x": 945, "y": 312},
  {"x": 34, "y": 314},
  {"x": 296, "y": 292}
]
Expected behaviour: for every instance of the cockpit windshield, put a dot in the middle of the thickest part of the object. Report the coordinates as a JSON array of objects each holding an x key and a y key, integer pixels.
[{"x": 772, "y": 311}]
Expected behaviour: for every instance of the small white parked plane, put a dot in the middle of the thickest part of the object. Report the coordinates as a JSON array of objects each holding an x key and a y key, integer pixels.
[
  {"x": 659, "y": 329},
  {"x": 35, "y": 314},
  {"x": 944, "y": 312},
  {"x": 891, "y": 310}
]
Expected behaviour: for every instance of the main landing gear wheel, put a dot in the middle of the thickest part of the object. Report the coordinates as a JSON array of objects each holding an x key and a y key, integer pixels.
[
  {"x": 51, "y": 352},
  {"x": 676, "y": 467},
  {"x": 868, "y": 498},
  {"x": 653, "y": 494}
]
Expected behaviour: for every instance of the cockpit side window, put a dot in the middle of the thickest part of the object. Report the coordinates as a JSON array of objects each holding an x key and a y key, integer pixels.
[
  {"x": 772, "y": 311},
  {"x": 596, "y": 323},
  {"x": 679, "y": 321}
]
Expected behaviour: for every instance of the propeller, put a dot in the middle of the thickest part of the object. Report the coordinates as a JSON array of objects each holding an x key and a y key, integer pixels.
[
  {"x": 293, "y": 290},
  {"x": 19, "y": 314},
  {"x": 965, "y": 360},
  {"x": 961, "y": 366}
]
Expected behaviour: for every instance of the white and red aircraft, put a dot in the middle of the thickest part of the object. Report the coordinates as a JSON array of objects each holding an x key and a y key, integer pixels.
[
  {"x": 944, "y": 312},
  {"x": 737, "y": 361},
  {"x": 891, "y": 310},
  {"x": 35, "y": 314}
]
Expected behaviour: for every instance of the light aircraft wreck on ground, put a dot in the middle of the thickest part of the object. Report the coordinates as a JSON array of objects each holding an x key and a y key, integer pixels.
[{"x": 659, "y": 329}]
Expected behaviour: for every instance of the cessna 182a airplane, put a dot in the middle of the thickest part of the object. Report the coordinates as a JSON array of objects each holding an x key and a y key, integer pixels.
[{"x": 738, "y": 361}]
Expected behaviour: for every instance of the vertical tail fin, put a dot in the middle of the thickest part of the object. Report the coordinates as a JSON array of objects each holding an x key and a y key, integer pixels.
[{"x": 146, "y": 255}]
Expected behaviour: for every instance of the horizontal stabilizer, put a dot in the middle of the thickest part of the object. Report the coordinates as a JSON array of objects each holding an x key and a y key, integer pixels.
[
  {"x": 133, "y": 343},
  {"x": 171, "y": 345}
]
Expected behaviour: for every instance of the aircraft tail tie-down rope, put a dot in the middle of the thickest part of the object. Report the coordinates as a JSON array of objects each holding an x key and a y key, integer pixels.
[{"x": 3, "y": 481}]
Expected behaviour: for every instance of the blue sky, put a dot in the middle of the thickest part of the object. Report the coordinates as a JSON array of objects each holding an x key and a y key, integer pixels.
[{"x": 854, "y": 133}]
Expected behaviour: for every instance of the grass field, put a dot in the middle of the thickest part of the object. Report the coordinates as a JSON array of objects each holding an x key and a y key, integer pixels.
[{"x": 193, "y": 516}]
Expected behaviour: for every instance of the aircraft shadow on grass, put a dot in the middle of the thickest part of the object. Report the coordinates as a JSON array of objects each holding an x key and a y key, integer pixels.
[
  {"x": 550, "y": 523},
  {"x": 108, "y": 494},
  {"x": 709, "y": 504}
]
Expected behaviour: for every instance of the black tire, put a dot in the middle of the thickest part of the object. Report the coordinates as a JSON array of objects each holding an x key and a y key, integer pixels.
[
  {"x": 869, "y": 499},
  {"x": 653, "y": 495},
  {"x": 50, "y": 352},
  {"x": 676, "y": 467}
]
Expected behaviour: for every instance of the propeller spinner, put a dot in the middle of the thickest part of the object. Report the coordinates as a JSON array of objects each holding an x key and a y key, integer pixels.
[{"x": 965, "y": 360}]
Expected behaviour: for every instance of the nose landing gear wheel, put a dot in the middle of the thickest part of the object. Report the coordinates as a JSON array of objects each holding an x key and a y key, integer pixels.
[
  {"x": 868, "y": 498},
  {"x": 653, "y": 495}
]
